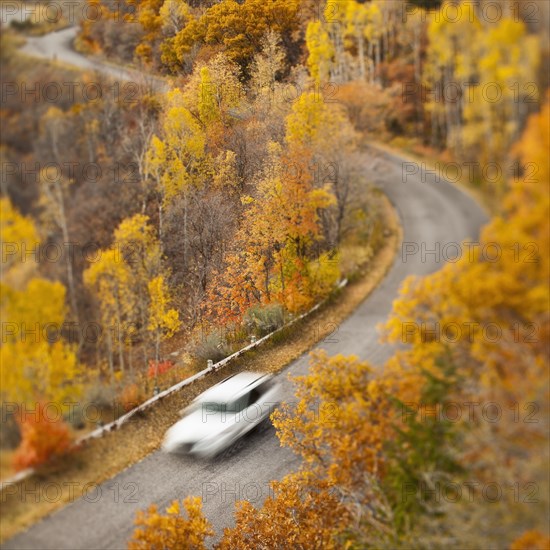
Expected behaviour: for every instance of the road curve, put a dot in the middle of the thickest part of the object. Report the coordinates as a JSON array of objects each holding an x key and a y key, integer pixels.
[
  {"x": 58, "y": 46},
  {"x": 432, "y": 214}
]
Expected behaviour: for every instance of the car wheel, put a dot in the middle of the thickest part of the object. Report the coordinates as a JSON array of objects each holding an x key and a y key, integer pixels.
[
  {"x": 233, "y": 449},
  {"x": 264, "y": 425}
]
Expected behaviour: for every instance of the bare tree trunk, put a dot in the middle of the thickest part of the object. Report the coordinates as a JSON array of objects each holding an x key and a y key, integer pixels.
[
  {"x": 361, "y": 52},
  {"x": 120, "y": 339},
  {"x": 185, "y": 206},
  {"x": 130, "y": 363},
  {"x": 371, "y": 69},
  {"x": 56, "y": 196},
  {"x": 157, "y": 356},
  {"x": 110, "y": 354},
  {"x": 161, "y": 226},
  {"x": 377, "y": 60}
]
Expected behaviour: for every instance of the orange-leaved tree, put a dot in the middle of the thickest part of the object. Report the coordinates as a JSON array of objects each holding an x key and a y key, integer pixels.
[
  {"x": 342, "y": 418},
  {"x": 272, "y": 259}
]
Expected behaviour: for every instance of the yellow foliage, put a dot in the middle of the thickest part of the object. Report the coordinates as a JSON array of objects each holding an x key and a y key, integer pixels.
[
  {"x": 301, "y": 513},
  {"x": 320, "y": 51},
  {"x": 162, "y": 318},
  {"x": 37, "y": 364},
  {"x": 18, "y": 235},
  {"x": 172, "y": 531}
]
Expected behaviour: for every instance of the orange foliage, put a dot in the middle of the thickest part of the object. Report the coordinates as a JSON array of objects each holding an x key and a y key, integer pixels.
[
  {"x": 302, "y": 513},
  {"x": 43, "y": 437},
  {"x": 163, "y": 367},
  {"x": 343, "y": 414},
  {"x": 172, "y": 530},
  {"x": 274, "y": 243},
  {"x": 531, "y": 540},
  {"x": 130, "y": 397}
]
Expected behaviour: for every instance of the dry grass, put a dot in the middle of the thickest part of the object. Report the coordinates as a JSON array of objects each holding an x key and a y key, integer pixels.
[
  {"x": 6, "y": 466},
  {"x": 103, "y": 458}
]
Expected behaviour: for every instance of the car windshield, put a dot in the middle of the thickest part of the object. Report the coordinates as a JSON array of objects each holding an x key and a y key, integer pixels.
[{"x": 228, "y": 407}]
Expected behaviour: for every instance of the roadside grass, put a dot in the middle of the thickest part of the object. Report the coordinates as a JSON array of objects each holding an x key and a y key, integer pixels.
[
  {"x": 100, "y": 459},
  {"x": 6, "y": 465}
]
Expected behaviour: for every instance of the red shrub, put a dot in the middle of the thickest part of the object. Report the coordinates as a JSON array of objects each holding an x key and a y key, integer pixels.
[
  {"x": 44, "y": 436},
  {"x": 164, "y": 366}
]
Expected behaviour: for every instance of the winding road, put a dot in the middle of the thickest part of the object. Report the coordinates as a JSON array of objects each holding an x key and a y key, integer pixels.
[
  {"x": 58, "y": 46},
  {"x": 432, "y": 214}
]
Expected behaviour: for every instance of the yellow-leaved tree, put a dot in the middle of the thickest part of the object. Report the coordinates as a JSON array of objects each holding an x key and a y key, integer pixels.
[
  {"x": 37, "y": 362},
  {"x": 120, "y": 282},
  {"x": 172, "y": 530},
  {"x": 174, "y": 161},
  {"x": 110, "y": 277},
  {"x": 489, "y": 312},
  {"x": 163, "y": 320}
]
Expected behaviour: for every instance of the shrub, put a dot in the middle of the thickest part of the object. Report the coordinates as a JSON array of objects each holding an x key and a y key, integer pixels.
[
  {"x": 22, "y": 25},
  {"x": 261, "y": 320},
  {"x": 76, "y": 417},
  {"x": 212, "y": 347},
  {"x": 103, "y": 396},
  {"x": 42, "y": 439},
  {"x": 130, "y": 397},
  {"x": 531, "y": 540},
  {"x": 163, "y": 367}
]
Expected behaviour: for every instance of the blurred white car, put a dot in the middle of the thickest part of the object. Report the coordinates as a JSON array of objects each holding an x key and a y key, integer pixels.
[{"x": 221, "y": 415}]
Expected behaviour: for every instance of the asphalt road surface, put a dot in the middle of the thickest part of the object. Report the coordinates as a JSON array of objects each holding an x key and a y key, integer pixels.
[
  {"x": 433, "y": 214},
  {"x": 58, "y": 46}
]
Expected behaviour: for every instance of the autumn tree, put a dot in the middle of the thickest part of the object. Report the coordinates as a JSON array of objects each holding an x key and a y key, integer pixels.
[
  {"x": 320, "y": 129},
  {"x": 239, "y": 28},
  {"x": 320, "y": 52},
  {"x": 172, "y": 530},
  {"x": 358, "y": 35},
  {"x": 299, "y": 513},
  {"x": 174, "y": 161},
  {"x": 493, "y": 65},
  {"x": 272, "y": 259},
  {"x": 37, "y": 362},
  {"x": 110, "y": 278},
  {"x": 451, "y": 312},
  {"x": 120, "y": 281},
  {"x": 339, "y": 425},
  {"x": 163, "y": 320},
  {"x": 362, "y": 435}
]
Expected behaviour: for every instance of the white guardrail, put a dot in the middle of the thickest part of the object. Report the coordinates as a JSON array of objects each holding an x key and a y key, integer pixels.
[{"x": 99, "y": 432}]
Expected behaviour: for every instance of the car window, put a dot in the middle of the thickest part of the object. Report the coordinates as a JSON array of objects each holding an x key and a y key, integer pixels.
[
  {"x": 255, "y": 394},
  {"x": 231, "y": 407},
  {"x": 238, "y": 405},
  {"x": 259, "y": 391}
]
